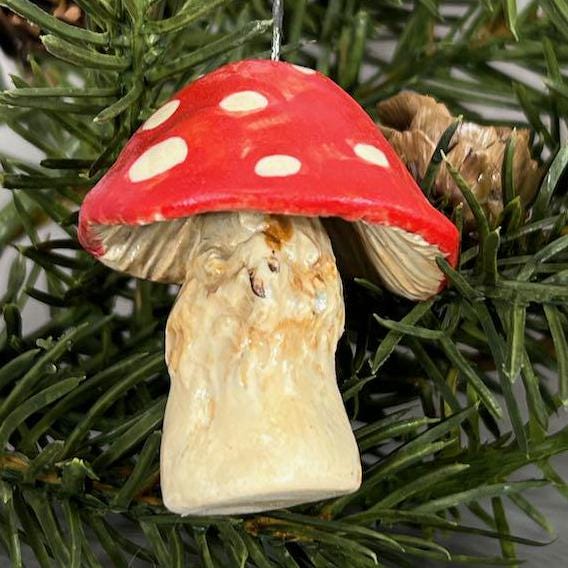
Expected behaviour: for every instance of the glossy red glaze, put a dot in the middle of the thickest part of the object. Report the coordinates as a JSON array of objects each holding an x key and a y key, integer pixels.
[{"x": 308, "y": 117}]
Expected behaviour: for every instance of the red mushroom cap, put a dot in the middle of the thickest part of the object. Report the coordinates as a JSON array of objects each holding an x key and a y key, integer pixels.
[{"x": 261, "y": 136}]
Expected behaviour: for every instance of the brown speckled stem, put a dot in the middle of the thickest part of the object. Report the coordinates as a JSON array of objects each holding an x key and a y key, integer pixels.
[{"x": 254, "y": 420}]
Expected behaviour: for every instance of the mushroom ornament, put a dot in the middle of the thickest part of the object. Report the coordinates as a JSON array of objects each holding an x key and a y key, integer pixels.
[{"x": 226, "y": 190}]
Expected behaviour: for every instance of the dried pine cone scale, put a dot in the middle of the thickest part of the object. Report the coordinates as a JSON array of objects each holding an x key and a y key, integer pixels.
[{"x": 414, "y": 123}]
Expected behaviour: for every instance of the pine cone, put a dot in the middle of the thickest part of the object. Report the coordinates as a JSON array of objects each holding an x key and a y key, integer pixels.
[
  {"x": 19, "y": 38},
  {"x": 414, "y": 123}
]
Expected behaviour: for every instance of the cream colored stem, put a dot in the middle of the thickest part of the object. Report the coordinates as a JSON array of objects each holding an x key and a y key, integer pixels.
[{"x": 254, "y": 419}]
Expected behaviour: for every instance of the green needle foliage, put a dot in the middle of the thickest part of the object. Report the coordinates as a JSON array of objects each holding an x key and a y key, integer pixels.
[{"x": 452, "y": 396}]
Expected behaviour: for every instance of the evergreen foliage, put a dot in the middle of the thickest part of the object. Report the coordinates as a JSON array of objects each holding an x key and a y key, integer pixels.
[{"x": 438, "y": 388}]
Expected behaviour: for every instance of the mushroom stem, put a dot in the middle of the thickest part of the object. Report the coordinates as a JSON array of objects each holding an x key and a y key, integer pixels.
[{"x": 254, "y": 419}]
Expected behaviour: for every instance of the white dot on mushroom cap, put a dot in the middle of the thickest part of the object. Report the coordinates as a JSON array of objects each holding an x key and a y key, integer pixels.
[
  {"x": 277, "y": 165},
  {"x": 159, "y": 159},
  {"x": 161, "y": 115},
  {"x": 244, "y": 101},
  {"x": 371, "y": 154},
  {"x": 305, "y": 70}
]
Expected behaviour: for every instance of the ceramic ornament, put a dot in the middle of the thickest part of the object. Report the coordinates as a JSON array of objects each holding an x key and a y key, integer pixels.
[{"x": 223, "y": 191}]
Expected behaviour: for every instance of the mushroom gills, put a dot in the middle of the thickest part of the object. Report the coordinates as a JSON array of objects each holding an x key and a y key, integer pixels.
[
  {"x": 404, "y": 262},
  {"x": 150, "y": 251},
  {"x": 254, "y": 419}
]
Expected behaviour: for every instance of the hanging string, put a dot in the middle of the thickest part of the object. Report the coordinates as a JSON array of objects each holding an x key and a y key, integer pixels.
[{"x": 277, "y": 18}]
